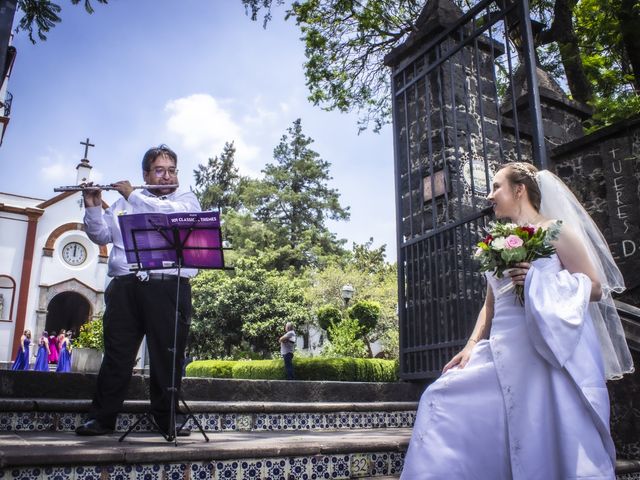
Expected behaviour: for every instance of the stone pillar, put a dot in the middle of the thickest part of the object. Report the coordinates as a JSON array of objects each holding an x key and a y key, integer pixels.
[{"x": 561, "y": 117}]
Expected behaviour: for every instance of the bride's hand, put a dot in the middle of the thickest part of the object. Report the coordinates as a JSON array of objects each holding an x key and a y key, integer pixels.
[
  {"x": 460, "y": 359},
  {"x": 519, "y": 272}
]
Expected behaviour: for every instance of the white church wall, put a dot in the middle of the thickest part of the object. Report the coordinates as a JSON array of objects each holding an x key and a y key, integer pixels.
[
  {"x": 56, "y": 270},
  {"x": 13, "y": 233},
  {"x": 53, "y": 270}
]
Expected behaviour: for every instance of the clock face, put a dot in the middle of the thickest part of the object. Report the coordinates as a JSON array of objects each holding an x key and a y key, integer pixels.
[{"x": 74, "y": 253}]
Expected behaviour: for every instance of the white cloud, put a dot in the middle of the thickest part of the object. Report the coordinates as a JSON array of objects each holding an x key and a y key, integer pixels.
[
  {"x": 55, "y": 168},
  {"x": 202, "y": 124},
  {"x": 58, "y": 169},
  {"x": 56, "y": 172}
]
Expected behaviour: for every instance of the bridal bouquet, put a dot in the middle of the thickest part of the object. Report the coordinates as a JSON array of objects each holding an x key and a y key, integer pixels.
[{"x": 507, "y": 244}]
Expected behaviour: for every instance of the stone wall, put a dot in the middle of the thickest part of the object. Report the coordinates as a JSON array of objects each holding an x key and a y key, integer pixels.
[{"x": 603, "y": 170}]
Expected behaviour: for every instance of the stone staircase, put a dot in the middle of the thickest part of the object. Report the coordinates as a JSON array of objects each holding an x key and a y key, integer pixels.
[{"x": 335, "y": 430}]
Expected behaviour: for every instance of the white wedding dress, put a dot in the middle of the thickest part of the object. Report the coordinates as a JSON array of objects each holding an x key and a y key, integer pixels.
[{"x": 532, "y": 401}]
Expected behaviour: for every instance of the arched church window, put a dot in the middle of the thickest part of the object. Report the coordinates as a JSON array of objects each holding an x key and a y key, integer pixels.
[{"x": 7, "y": 297}]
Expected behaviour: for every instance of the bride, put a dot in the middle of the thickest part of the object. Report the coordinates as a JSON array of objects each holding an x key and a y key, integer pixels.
[{"x": 526, "y": 397}]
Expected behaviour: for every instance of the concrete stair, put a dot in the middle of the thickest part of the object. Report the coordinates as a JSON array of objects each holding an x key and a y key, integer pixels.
[{"x": 257, "y": 430}]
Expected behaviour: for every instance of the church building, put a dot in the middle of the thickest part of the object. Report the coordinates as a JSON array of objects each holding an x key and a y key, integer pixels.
[{"x": 52, "y": 276}]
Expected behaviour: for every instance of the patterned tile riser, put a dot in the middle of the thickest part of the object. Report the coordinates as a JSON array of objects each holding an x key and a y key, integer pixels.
[
  {"x": 343, "y": 466},
  {"x": 211, "y": 422},
  {"x": 355, "y": 465}
]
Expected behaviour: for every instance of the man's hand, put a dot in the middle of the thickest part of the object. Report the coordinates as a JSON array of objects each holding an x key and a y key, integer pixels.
[
  {"x": 92, "y": 198},
  {"x": 123, "y": 187}
]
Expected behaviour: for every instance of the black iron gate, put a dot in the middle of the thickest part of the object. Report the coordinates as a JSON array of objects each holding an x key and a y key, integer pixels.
[{"x": 461, "y": 108}]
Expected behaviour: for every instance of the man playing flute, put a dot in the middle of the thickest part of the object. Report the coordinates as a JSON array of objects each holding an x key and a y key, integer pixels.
[{"x": 139, "y": 304}]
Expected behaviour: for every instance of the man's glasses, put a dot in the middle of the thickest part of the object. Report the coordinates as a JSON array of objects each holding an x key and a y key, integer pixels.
[{"x": 160, "y": 172}]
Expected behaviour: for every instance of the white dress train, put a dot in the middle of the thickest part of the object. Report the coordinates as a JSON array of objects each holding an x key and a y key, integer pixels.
[{"x": 532, "y": 402}]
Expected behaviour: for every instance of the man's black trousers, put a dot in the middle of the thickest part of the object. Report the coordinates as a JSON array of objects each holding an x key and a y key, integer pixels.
[{"x": 136, "y": 308}]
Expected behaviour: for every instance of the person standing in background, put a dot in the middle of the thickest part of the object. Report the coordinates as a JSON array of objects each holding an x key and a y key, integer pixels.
[
  {"x": 53, "y": 348},
  {"x": 287, "y": 346},
  {"x": 22, "y": 359},
  {"x": 42, "y": 357},
  {"x": 64, "y": 360}
]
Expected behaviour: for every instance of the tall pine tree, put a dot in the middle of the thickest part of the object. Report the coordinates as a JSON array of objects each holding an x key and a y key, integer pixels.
[
  {"x": 218, "y": 181},
  {"x": 294, "y": 200}
]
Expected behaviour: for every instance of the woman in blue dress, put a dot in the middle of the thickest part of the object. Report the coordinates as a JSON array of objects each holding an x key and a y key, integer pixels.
[
  {"x": 42, "y": 357},
  {"x": 22, "y": 359},
  {"x": 64, "y": 361}
]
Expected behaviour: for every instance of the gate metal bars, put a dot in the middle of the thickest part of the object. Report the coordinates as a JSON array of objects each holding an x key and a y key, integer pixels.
[{"x": 459, "y": 103}]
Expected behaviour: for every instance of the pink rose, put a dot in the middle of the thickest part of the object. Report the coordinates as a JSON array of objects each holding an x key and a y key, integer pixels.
[{"x": 512, "y": 241}]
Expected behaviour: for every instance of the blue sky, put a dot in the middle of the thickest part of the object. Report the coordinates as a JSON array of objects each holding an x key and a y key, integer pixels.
[{"x": 192, "y": 74}]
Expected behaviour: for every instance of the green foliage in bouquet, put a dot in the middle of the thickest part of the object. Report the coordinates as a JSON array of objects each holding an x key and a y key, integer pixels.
[{"x": 507, "y": 244}]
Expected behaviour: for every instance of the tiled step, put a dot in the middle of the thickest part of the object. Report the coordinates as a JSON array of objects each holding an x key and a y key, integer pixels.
[
  {"x": 229, "y": 455},
  {"x": 65, "y": 415}
]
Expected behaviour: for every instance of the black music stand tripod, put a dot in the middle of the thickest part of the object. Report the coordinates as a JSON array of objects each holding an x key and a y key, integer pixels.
[{"x": 174, "y": 243}]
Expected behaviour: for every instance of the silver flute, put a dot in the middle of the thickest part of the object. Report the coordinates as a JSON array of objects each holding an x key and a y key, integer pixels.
[{"x": 81, "y": 188}]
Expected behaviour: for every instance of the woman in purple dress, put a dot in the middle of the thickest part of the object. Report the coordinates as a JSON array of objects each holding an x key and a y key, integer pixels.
[
  {"x": 22, "y": 359},
  {"x": 42, "y": 357},
  {"x": 64, "y": 360}
]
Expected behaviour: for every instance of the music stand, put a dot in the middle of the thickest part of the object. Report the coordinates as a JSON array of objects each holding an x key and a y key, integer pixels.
[{"x": 159, "y": 241}]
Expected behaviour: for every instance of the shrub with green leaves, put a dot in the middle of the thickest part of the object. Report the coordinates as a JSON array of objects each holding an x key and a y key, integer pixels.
[
  {"x": 319, "y": 369},
  {"x": 91, "y": 335},
  {"x": 328, "y": 315},
  {"x": 367, "y": 313},
  {"x": 346, "y": 340},
  {"x": 211, "y": 368}
]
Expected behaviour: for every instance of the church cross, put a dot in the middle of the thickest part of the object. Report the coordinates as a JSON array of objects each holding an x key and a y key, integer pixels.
[{"x": 86, "y": 147}]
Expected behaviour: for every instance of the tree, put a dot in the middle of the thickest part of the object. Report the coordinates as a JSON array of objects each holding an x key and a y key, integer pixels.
[
  {"x": 367, "y": 313},
  {"x": 610, "y": 50},
  {"x": 40, "y": 16},
  {"x": 369, "y": 259},
  {"x": 380, "y": 286},
  {"x": 243, "y": 313},
  {"x": 215, "y": 328},
  {"x": 328, "y": 315},
  {"x": 345, "y": 42},
  {"x": 294, "y": 201},
  {"x": 346, "y": 340},
  {"x": 218, "y": 181}
]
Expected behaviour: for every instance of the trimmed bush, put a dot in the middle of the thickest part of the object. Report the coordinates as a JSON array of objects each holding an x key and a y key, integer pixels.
[
  {"x": 91, "y": 335},
  {"x": 328, "y": 315},
  {"x": 333, "y": 369},
  {"x": 211, "y": 368}
]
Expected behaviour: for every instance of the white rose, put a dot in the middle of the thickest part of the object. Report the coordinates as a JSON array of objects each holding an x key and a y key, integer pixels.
[{"x": 498, "y": 243}]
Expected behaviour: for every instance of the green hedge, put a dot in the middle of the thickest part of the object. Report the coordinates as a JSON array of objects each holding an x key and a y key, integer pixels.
[
  {"x": 338, "y": 369},
  {"x": 211, "y": 368}
]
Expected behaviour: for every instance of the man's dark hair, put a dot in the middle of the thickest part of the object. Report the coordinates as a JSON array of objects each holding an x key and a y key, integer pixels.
[{"x": 154, "y": 153}]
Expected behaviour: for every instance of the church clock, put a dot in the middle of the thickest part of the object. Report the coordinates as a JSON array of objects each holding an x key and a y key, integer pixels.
[{"x": 74, "y": 253}]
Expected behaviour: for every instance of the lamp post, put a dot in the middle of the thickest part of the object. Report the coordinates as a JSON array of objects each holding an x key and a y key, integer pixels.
[{"x": 347, "y": 292}]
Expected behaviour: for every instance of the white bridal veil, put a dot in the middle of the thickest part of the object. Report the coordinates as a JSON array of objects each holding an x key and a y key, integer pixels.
[{"x": 558, "y": 202}]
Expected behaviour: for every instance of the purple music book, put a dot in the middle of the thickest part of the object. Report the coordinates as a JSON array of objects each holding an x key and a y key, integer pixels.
[{"x": 153, "y": 240}]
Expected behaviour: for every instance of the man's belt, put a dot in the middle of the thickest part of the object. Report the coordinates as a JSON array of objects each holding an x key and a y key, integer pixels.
[
  {"x": 166, "y": 277},
  {"x": 147, "y": 276}
]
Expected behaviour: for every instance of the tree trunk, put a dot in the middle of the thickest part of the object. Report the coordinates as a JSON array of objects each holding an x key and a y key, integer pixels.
[
  {"x": 629, "y": 18},
  {"x": 562, "y": 32}
]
